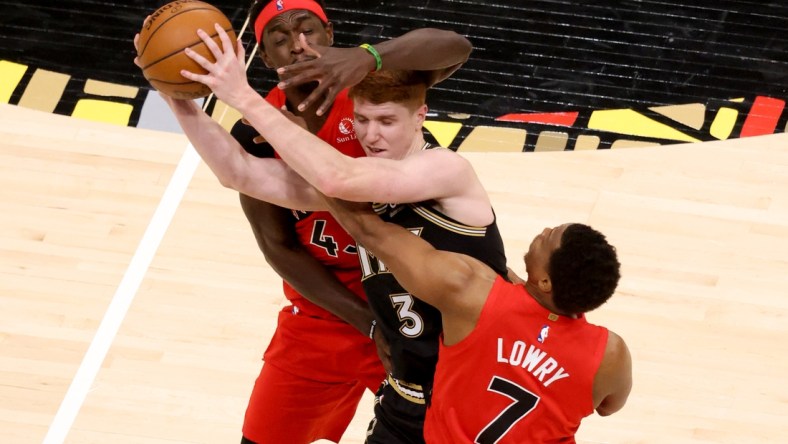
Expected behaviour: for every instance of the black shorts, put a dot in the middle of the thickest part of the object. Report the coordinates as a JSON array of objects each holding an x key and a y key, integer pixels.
[{"x": 397, "y": 420}]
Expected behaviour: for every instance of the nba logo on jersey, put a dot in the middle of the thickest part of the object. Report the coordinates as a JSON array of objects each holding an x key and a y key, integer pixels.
[
  {"x": 543, "y": 334},
  {"x": 280, "y": 5}
]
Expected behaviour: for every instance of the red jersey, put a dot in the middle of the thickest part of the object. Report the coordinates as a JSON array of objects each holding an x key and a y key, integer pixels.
[
  {"x": 318, "y": 231},
  {"x": 523, "y": 375}
]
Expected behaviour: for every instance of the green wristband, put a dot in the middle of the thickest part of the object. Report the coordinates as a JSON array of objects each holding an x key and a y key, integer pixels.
[{"x": 375, "y": 54}]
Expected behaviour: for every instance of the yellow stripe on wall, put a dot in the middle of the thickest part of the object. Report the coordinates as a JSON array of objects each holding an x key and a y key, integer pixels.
[
  {"x": 10, "y": 75},
  {"x": 444, "y": 132},
  {"x": 103, "y": 111},
  {"x": 627, "y": 121},
  {"x": 723, "y": 124}
]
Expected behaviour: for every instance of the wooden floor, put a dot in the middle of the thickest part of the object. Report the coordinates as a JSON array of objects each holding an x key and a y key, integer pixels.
[{"x": 702, "y": 231}]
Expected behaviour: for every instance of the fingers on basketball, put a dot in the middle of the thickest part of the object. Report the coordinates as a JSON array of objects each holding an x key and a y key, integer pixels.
[{"x": 164, "y": 36}]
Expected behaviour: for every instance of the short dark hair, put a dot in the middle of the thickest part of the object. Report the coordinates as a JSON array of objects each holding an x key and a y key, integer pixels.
[
  {"x": 584, "y": 270},
  {"x": 258, "y": 5}
]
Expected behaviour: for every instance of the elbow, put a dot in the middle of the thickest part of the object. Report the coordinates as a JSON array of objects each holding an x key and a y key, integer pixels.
[
  {"x": 231, "y": 181},
  {"x": 606, "y": 412},
  {"x": 467, "y": 47},
  {"x": 240, "y": 183},
  {"x": 610, "y": 405},
  {"x": 331, "y": 184},
  {"x": 227, "y": 175},
  {"x": 461, "y": 43},
  {"x": 226, "y": 182}
]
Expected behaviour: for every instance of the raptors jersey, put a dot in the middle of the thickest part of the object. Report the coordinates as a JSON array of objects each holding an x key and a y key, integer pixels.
[
  {"x": 411, "y": 326},
  {"x": 523, "y": 375},
  {"x": 318, "y": 231}
]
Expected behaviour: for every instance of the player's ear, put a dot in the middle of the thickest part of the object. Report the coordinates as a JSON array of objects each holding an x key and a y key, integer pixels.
[
  {"x": 330, "y": 33},
  {"x": 421, "y": 115},
  {"x": 546, "y": 285},
  {"x": 264, "y": 56}
]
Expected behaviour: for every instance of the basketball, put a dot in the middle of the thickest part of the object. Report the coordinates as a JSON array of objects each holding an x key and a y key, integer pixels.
[{"x": 164, "y": 36}]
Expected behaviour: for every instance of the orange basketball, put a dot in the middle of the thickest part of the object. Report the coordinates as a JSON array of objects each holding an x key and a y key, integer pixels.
[{"x": 164, "y": 36}]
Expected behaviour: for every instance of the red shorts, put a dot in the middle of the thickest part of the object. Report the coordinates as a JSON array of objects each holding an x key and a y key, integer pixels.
[{"x": 314, "y": 375}]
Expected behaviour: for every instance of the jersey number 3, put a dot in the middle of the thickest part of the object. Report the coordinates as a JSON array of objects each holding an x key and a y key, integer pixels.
[
  {"x": 524, "y": 403},
  {"x": 412, "y": 324}
]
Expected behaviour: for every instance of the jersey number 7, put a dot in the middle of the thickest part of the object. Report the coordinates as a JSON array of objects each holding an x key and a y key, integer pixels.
[{"x": 524, "y": 403}]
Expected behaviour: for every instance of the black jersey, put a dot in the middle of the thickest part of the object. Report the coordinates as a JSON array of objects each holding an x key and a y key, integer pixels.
[{"x": 412, "y": 327}]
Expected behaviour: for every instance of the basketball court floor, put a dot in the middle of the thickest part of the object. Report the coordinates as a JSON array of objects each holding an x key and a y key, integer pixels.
[{"x": 135, "y": 306}]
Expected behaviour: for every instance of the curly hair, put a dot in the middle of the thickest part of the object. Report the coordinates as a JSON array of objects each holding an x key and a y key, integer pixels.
[
  {"x": 258, "y": 5},
  {"x": 404, "y": 87},
  {"x": 584, "y": 270}
]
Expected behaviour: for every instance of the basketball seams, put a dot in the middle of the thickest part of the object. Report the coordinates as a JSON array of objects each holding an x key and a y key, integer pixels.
[
  {"x": 181, "y": 49},
  {"x": 171, "y": 17},
  {"x": 164, "y": 38}
]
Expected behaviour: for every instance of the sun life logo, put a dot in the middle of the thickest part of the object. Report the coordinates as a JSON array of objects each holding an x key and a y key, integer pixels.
[{"x": 346, "y": 125}]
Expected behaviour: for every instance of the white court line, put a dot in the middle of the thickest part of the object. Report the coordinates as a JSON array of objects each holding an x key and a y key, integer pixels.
[{"x": 123, "y": 297}]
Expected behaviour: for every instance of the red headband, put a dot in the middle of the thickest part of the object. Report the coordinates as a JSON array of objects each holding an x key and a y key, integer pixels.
[{"x": 277, "y": 7}]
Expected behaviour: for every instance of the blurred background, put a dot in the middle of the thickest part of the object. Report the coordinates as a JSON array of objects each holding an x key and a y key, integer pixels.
[{"x": 544, "y": 75}]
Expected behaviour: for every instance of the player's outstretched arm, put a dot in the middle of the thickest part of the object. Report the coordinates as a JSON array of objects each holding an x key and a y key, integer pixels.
[
  {"x": 447, "y": 52},
  {"x": 338, "y": 68},
  {"x": 270, "y": 180},
  {"x": 226, "y": 77},
  {"x": 454, "y": 283},
  {"x": 430, "y": 174}
]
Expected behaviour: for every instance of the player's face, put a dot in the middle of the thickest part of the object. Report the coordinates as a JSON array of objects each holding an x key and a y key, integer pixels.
[
  {"x": 280, "y": 45},
  {"x": 388, "y": 130},
  {"x": 542, "y": 247}
]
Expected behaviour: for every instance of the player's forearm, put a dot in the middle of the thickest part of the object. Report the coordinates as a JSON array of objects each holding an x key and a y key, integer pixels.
[
  {"x": 367, "y": 228},
  {"x": 309, "y": 156},
  {"x": 279, "y": 185},
  {"x": 312, "y": 280},
  {"x": 273, "y": 229},
  {"x": 406, "y": 255},
  {"x": 269, "y": 180},
  {"x": 447, "y": 51},
  {"x": 324, "y": 290},
  {"x": 213, "y": 143}
]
